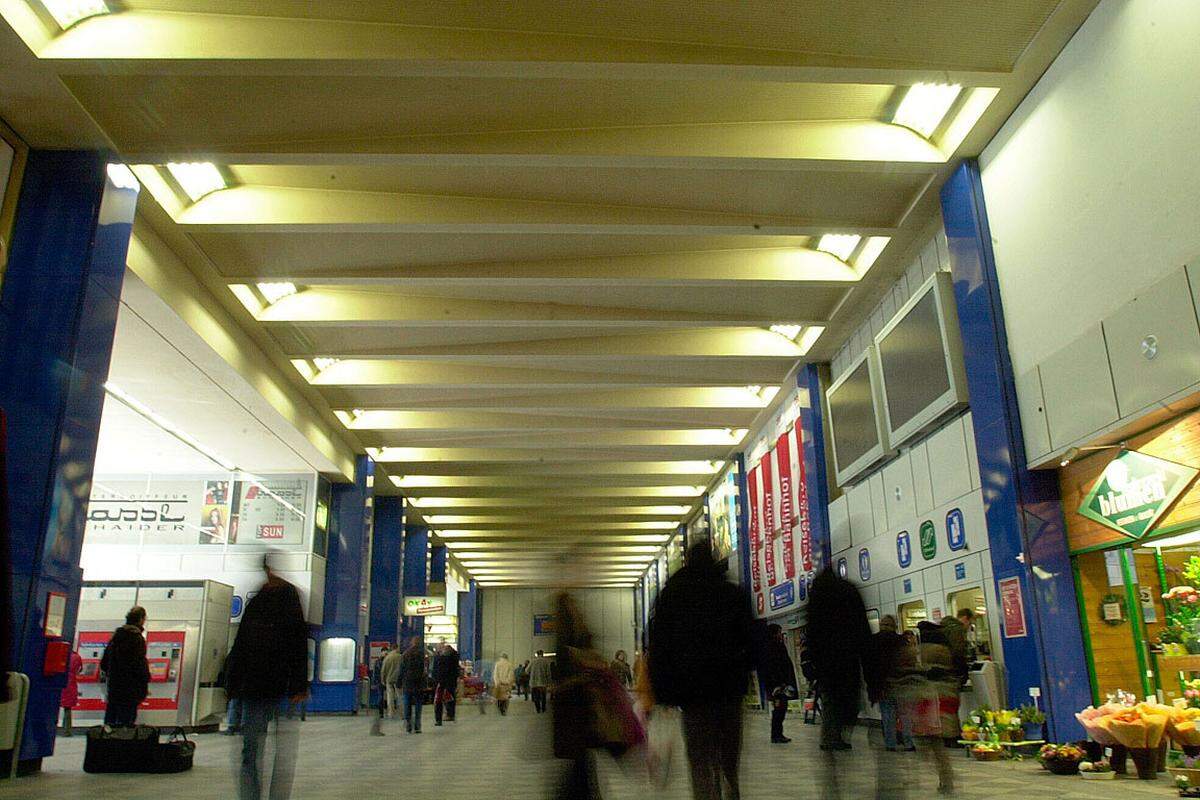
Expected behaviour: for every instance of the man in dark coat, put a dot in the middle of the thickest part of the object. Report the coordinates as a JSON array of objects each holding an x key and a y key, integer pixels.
[
  {"x": 445, "y": 679},
  {"x": 777, "y": 674},
  {"x": 839, "y": 640},
  {"x": 700, "y": 643},
  {"x": 127, "y": 675},
  {"x": 267, "y": 668},
  {"x": 412, "y": 682}
]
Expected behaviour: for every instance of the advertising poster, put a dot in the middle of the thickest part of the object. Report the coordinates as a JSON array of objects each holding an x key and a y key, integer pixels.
[
  {"x": 755, "y": 534},
  {"x": 779, "y": 527},
  {"x": 770, "y": 523},
  {"x": 674, "y": 555},
  {"x": 137, "y": 511},
  {"x": 783, "y": 456},
  {"x": 722, "y": 511},
  {"x": 214, "y": 515}
]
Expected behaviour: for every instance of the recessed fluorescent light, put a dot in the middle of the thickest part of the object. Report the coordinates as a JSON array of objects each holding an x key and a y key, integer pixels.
[
  {"x": 197, "y": 178},
  {"x": 141, "y": 408},
  {"x": 122, "y": 177},
  {"x": 787, "y": 331},
  {"x": 870, "y": 251},
  {"x": 925, "y": 105},
  {"x": 68, "y": 12},
  {"x": 839, "y": 245},
  {"x": 274, "y": 292},
  {"x": 811, "y": 334},
  {"x": 322, "y": 363}
]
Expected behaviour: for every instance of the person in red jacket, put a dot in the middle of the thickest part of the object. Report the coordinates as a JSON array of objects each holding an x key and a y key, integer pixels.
[{"x": 70, "y": 693}]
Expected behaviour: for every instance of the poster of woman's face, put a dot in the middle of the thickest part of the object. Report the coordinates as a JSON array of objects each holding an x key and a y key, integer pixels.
[{"x": 213, "y": 527}]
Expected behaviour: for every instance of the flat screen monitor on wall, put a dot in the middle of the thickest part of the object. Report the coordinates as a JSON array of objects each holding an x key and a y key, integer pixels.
[
  {"x": 855, "y": 422},
  {"x": 920, "y": 359}
]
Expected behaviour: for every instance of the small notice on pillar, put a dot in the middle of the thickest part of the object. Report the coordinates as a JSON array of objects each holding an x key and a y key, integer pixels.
[{"x": 1012, "y": 605}]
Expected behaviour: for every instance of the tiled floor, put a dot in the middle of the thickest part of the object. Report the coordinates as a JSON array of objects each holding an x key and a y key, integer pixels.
[{"x": 492, "y": 757}]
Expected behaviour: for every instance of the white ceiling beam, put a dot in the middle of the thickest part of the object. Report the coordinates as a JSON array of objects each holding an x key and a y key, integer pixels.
[
  {"x": 407, "y": 456},
  {"x": 542, "y": 439},
  {"x": 461, "y": 421},
  {"x": 677, "y": 472},
  {"x": 564, "y": 402},
  {"x": 237, "y": 43}
]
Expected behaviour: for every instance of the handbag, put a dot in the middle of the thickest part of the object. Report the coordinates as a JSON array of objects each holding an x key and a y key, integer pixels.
[
  {"x": 174, "y": 755},
  {"x": 131, "y": 749}
]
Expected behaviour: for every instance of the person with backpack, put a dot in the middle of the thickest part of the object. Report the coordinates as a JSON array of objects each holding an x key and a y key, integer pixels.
[{"x": 125, "y": 671}]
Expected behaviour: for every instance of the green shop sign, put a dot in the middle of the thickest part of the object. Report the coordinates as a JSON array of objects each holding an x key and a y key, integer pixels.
[
  {"x": 928, "y": 540},
  {"x": 1134, "y": 491}
]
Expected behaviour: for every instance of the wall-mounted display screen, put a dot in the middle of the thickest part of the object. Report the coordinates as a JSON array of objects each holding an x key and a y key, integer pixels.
[
  {"x": 920, "y": 360},
  {"x": 854, "y": 421}
]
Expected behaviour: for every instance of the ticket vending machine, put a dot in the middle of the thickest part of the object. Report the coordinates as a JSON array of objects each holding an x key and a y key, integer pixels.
[{"x": 187, "y": 631}]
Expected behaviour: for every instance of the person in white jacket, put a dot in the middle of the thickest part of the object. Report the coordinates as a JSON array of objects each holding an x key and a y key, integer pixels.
[{"x": 504, "y": 677}]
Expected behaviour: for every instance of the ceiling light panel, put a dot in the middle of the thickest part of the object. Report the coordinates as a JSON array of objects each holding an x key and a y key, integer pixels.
[
  {"x": 197, "y": 178},
  {"x": 925, "y": 105},
  {"x": 68, "y": 12},
  {"x": 839, "y": 245},
  {"x": 276, "y": 291}
]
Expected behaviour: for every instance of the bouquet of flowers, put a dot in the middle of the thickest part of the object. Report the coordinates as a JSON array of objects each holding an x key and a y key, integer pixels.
[
  {"x": 1183, "y": 724},
  {"x": 1139, "y": 727},
  {"x": 1061, "y": 759}
]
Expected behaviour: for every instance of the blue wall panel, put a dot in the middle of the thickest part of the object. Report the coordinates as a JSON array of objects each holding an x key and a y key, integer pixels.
[
  {"x": 415, "y": 576},
  {"x": 437, "y": 563},
  {"x": 816, "y": 480},
  {"x": 350, "y": 524},
  {"x": 386, "y": 547},
  {"x": 1024, "y": 514},
  {"x": 58, "y": 312}
]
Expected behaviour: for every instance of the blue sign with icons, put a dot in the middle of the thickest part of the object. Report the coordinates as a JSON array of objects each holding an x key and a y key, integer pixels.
[
  {"x": 842, "y": 569},
  {"x": 235, "y": 610},
  {"x": 783, "y": 595},
  {"x": 956, "y": 530},
  {"x": 864, "y": 564},
  {"x": 960, "y": 571},
  {"x": 908, "y": 585},
  {"x": 904, "y": 548},
  {"x": 803, "y": 582}
]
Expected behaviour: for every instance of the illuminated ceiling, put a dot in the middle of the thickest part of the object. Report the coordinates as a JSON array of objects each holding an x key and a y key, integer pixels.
[{"x": 547, "y": 262}]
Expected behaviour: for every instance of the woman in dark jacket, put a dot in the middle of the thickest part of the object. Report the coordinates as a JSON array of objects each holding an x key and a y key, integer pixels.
[
  {"x": 779, "y": 680},
  {"x": 126, "y": 673}
]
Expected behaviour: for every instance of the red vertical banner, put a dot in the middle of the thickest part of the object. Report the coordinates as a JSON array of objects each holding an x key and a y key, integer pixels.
[
  {"x": 783, "y": 455},
  {"x": 769, "y": 521},
  {"x": 755, "y": 541},
  {"x": 802, "y": 513}
]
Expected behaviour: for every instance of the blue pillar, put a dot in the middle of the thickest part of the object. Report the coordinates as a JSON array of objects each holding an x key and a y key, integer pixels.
[
  {"x": 386, "y": 546},
  {"x": 415, "y": 576},
  {"x": 1025, "y": 523},
  {"x": 346, "y": 572},
  {"x": 437, "y": 563},
  {"x": 743, "y": 524},
  {"x": 468, "y": 623},
  {"x": 816, "y": 480},
  {"x": 58, "y": 311}
]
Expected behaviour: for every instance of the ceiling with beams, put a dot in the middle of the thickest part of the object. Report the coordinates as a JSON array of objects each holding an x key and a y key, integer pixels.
[{"x": 548, "y": 263}]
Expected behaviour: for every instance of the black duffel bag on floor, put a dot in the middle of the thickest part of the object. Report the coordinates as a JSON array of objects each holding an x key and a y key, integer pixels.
[
  {"x": 132, "y": 749},
  {"x": 175, "y": 754}
]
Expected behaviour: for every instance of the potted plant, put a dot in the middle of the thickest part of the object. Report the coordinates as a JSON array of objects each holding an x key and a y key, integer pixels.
[
  {"x": 1061, "y": 759},
  {"x": 970, "y": 732},
  {"x": 1096, "y": 770},
  {"x": 1032, "y": 720},
  {"x": 987, "y": 751}
]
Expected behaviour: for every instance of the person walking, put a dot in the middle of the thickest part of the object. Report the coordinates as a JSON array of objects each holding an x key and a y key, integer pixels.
[
  {"x": 539, "y": 681},
  {"x": 267, "y": 671},
  {"x": 413, "y": 681},
  {"x": 523, "y": 680},
  {"x": 446, "y": 673},
  {"x": 233, "y": 706},
  {"x": 894, "y": 659},
  {"x": 839, "y": 640},
  {"x": 700, "y": 645},
  {"x": 935, "y": 710},
  {"x": 125, "y": 671},
  {"x": 503, "y": 679},
  {"x": 70, "y": 692},
  {"x": 378, "y": 685},
  {"x": 778, "y": 678},
  {"x": 620, "y": 667},
  {"x": 389, "y": 673}
]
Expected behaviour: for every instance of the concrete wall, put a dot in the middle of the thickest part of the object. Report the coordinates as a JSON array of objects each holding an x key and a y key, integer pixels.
[{"x": 508, "y": 620}]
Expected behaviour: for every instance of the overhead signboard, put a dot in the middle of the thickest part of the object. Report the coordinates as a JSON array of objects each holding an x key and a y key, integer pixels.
[
  {"x": 424, "y": 606},
  {"x": 1134, "y": 491}
]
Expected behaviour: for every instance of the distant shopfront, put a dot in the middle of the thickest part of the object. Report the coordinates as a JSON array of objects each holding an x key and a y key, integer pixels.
[{"x": 1133, "y": 524}]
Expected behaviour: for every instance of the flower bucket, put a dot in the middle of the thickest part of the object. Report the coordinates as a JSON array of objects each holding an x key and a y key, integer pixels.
[
  {"x": 1146, "y": 761},
  {"x": 1032, "y": 731},
  {"x": 1120, "y": 754}
]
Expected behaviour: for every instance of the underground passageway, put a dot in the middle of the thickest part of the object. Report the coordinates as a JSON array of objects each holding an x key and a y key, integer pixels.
[{"x": 484, "y": 757}]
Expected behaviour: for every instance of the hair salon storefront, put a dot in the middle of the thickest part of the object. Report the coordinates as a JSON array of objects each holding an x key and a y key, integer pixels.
[{"x": 1133, "y": 524}]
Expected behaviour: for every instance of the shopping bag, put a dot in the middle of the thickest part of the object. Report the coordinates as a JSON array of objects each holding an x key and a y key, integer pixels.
[{"x": 175, "y": 754}]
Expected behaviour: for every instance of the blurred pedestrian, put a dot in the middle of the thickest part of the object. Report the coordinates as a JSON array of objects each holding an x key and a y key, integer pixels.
[
  {"x": 838, "y": 638},
  {"x": 504, "y": 678},
  {"x": 70, "y": 693},
  {"x": 935, "y": 714},
  {"x": 620, "y": 667},
  {"x": 446, "y": 673},
  {"x": 378, "y": 685},
  {"x": 778, "y": 679},
  {"x": 700, "y": 645},
  {"x": 413, "y": 680},
  {"x": 389, "y": 670},
  {"x": 267, "y": 671},
  {"x": 539, "y": 681},
  {"x": 125, "y": 671},
  {"x": 894, "y": 659}
]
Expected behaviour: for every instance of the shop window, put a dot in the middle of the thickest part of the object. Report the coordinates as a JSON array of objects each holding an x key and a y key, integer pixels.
[
  {"x": 335, "y": 663},
  {"x": 912, "y": 613},
  {"x": 980, "y": 635}
]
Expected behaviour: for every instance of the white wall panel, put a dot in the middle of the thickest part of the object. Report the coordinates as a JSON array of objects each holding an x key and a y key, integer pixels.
[
  {"x": 879, "y": 512},
  {"x": 922, "y": 482},
  {"x": 862, "y": 516},
  {"x": 839, "y": 524},
  {"x": 948, "y": 463}
]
